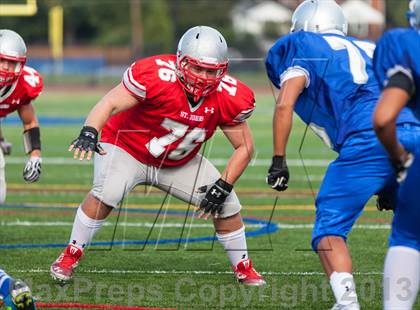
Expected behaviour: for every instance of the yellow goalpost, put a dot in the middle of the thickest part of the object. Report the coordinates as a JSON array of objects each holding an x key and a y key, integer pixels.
[
  {"x": 55, "y": 24},
  {"x": 24, "y": 9}
]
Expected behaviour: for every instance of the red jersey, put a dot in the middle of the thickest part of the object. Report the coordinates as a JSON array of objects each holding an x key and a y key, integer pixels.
[
  {"x": 163, "y": 129},
  {"x": 27, "y": 87}
]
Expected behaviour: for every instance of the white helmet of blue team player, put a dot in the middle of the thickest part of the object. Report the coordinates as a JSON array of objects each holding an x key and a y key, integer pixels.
[
  {"x": 206, "y": 48},
  {"x": 413, "y": 13},
  {"x": 12, "y": 48},
  {"x": 319, "y": 16}
]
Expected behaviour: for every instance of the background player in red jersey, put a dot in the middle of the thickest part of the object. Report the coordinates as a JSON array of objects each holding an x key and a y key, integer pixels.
[
  {"x": 19, "y": 86},
  {"x": 153, "y": 124}
]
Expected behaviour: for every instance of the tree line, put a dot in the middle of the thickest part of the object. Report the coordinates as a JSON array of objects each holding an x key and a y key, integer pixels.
[{"x": 160, "y": 22}]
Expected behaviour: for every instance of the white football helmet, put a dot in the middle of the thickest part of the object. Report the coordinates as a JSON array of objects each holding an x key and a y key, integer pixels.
[
  {"x": 413, "y": 13},
  {"x": 319, "y": 16},
  {"x": 204, "y": 47},
  {"x": 12, "y": 48}
]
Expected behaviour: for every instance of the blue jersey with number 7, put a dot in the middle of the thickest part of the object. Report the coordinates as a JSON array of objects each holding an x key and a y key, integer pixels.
[{"x": 341, "y": 90}]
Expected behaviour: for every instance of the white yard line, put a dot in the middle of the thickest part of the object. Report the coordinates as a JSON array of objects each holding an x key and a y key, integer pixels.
[
  {"x": 179, "y": 225},
  {"x": 216, "y": 161},
  {"x": 192, "y": 272},
  {"x": 144, "y": 224}
]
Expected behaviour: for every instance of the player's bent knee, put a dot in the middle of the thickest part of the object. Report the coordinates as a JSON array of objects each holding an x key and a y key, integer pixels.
[
  {"x": 94, "y": 202},
  {"x": 231, "y": 207},
  {"x": 108, "y": 199},
  {"x": 109, "y": 188},
  {"x": 228, "y": 224},
  {"x": 231, "y": 217}
]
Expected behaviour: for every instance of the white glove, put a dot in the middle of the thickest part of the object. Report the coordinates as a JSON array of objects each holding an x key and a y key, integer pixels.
[
  {"x": 32, "y": 170},
  {"x": 401, "y": 168}
]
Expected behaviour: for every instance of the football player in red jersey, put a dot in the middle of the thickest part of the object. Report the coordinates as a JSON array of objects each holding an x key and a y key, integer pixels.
[
  {"x": 19, "y": 86},
  {"x": 153, "y": 124}
]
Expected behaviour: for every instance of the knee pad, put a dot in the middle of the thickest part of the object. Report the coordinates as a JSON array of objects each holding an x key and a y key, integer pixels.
[{"x": 109, "y": 196}]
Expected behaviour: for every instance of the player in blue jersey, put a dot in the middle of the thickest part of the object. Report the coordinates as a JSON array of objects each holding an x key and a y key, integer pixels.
[
  {"x": 397, "y": 66},
  {"x": 327, "y": 78},
  {"x": 15, "y": 294}
]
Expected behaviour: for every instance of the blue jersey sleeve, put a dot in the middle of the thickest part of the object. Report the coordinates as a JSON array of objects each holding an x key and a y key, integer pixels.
[
  {"x": 332, "y": 103},
  {"x": 285, "y": 55},
  {"x": 389, "y": 58}
]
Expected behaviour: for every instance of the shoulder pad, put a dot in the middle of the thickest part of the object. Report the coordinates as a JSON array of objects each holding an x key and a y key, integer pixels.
[
  {"x": 145, "y": 77},
  {"x": 31, "y": 81},
  {"x": 238, "y": 101}
]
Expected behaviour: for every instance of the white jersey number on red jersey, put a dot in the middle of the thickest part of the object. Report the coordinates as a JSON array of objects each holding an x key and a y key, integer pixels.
[
  {"x": 30, "y": 76},
  {"x": 157, "y": 146},
  {"x": 228, "y": 83},
  {"x": 167, "y": 73}
]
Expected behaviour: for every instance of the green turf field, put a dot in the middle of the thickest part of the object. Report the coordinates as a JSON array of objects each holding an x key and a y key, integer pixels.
[{"x": 191, "y": 275}]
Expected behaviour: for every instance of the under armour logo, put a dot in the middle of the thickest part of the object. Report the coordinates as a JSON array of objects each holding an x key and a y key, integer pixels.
[
  {"x": 15, "y": 101},
  {"x": 73, "y": 250},
  {"x": 214, "y": 192},
  {"x": 89, "y": 135},
  {"x": 209, "y": 110}
]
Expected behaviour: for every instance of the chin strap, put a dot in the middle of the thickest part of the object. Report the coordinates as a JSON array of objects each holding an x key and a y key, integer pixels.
[{"x": 193, "y": 100}]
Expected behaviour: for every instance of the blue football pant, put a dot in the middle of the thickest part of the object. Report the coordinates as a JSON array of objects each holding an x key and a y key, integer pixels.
[
  {"x": 406, "y": 223},
  {"x": 360, "y": 171}
]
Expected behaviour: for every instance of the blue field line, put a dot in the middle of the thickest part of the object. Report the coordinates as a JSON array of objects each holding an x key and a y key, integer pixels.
[
  {"x": 48, "y": 121},
  {"x": 267, "y": 228}
]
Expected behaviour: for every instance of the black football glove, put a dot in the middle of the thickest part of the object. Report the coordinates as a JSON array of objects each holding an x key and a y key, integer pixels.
[
  {"x": 87, "y": 140},
  {"x": 402, "y": 166},
  {"x": 215, "y": 197},
  {"x": 385, "y": 202},
  {"x": 278, "y": 174},
  {"x": 386, "y": 198}
]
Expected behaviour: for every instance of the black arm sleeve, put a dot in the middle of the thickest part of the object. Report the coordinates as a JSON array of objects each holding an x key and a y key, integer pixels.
[
  {"x": 401, "y": 80},
  {"x": 32, "y": 139}
]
